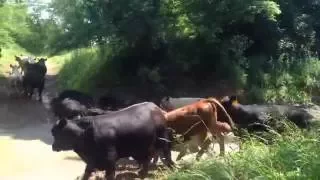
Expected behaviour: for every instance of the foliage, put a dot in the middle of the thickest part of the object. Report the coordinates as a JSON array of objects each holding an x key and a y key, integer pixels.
[
  {"x": 265, "y": 47},
  {"x": 293, "y": 84},
  {"x": 160, "y": 42},
  {"x": 78, "y": 70}
]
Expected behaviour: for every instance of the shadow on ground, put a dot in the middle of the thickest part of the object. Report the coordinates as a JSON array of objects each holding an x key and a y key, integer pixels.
[{"x": 27, "y": 119}]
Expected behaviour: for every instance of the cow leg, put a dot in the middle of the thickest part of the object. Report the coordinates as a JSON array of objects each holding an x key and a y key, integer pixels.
[
  {"x": 204, "y": 147},
  {"x": 110, "y": 171},
  {"x": 221, "y": 143},
  {"x": 30, "y": 92},
  {"x": 145, "y": 168},
  {"x": 40, "y": 89},
  {"x": 167, "y": 160},
  {"x": 166, "y": 146},
  {"x": 155, "y": 158},
  {"x": 110, "y": 166},
  {"x": 183, "y": 152},
  {"x": 87, "y": 172},
  {"x": 25, "y": 90}
]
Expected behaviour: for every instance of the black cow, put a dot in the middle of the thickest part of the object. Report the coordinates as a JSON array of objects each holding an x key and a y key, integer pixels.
[
  {"x": 70, "y": 108},
  {"x": 115, "y": 101},
  {"x": 137, "y": 131},
  {"x": 169, "y": 103},
  {"x": 34, "y": 78},
  {"x": 256, "y": 116},
  {"x": 81, "y": 97}
]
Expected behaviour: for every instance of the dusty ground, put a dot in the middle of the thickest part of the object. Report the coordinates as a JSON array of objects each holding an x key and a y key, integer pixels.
[{"x": 25, "y": 140}]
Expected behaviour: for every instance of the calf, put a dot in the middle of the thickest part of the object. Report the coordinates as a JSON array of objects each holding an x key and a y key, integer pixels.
[
  {"x": 15, "y": 78},
  {"x": 136, "y": 131}
]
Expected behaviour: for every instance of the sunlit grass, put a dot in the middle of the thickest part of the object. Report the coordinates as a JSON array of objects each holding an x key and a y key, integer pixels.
[{"x": 294, "y": 155}]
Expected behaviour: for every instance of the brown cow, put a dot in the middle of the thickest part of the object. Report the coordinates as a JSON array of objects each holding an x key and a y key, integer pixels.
[{"x": 197, "y": 119}]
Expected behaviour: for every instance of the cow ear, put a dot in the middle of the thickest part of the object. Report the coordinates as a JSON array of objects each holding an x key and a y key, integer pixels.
[
  {"x": 225, "y": 98},
  {"x": 62, "y": 123},
  {"x": 234, "y": 99}
]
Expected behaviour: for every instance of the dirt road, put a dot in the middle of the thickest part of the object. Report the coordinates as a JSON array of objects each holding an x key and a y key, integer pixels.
[{"x": 25, "y": 140}]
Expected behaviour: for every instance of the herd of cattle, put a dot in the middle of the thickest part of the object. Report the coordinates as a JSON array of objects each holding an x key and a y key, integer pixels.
[
  {"x": 145, "y": 130},
  {"x": 28, "y": 75}
]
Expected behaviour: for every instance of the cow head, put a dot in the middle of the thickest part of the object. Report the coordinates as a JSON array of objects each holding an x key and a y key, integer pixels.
[
  {"x": 165, "y": 103},
  {"x": 14, "y": 70},
  {"x": 21, "y": 62},
  {"x": 66, "y": 135},
  {"x": 42, "y": 60},
  {"x": 228, "y": 102}
]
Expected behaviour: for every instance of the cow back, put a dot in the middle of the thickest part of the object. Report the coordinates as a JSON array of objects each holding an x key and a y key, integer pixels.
[{"x": 81, "y": 97}]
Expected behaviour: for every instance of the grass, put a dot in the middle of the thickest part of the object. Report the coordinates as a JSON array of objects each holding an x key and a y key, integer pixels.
[
  {"x": 294, "y": 155},
  {"x": 78, "y": 69},
  {"x": 56, "y": 62},
  {"x": 81, "y": 69},
  {"x": 7, "y": 58}
]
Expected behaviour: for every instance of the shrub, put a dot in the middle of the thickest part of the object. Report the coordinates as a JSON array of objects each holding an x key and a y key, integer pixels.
[
  {"x": 294, "y": 84},
  {"x": 294, "y": 155}
]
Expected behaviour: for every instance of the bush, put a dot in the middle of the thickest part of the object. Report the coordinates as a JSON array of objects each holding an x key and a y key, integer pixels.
[
  {"x": 84, "y": 69},
  {"x": 294, "y": 155},
  {"x": 294, "y": 84},
  {"x": 78, "y": 71}
]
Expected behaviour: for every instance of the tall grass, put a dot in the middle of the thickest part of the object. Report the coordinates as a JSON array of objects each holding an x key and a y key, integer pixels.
[
  {"x": 294, "y": 155},
  {"x": 81, "y": 69}
]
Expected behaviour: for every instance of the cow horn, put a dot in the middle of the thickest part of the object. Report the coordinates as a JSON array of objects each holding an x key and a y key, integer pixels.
[{"x": 166, "y": 140}]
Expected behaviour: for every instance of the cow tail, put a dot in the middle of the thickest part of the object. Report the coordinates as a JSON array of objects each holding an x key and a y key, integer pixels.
[{"x": 216, "y": 102}]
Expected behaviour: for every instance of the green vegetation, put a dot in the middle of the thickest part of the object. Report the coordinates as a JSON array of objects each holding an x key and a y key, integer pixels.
[
  {"x": 294, "y": 155},
  {"x": 83, "y": 63},
  {"x": 268, "y": 48},
  {"x": 13, "y": 31}
]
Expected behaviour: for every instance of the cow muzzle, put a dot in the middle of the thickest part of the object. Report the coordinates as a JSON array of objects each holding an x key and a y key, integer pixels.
[{"x": 55, "y": 148}]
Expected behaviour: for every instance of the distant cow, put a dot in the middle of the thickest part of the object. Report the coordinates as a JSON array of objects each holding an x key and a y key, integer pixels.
[
  {"x": 254, "y": 117},
  {"x": 15, "y": 79},
  {"x": 34, "y": 78},
  {"x": 81, "y": 97},
  {"x": 23, "y": 61},
  {"x": 137, "y": 131},
  {"x": 70, "y": 108},
  {"x": 169, "y": 103}
]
